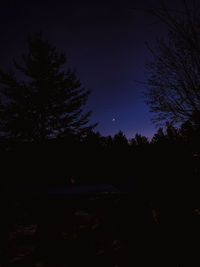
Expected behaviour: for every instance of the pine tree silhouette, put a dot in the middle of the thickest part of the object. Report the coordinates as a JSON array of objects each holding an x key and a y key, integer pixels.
[{"x": 48, "y": 103}]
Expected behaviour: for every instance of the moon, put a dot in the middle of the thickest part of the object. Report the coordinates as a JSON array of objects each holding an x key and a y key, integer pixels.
[{"x": 113, "y": 120}]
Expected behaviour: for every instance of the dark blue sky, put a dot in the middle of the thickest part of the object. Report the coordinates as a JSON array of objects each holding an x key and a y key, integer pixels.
[{"x": 104, "y": 40}]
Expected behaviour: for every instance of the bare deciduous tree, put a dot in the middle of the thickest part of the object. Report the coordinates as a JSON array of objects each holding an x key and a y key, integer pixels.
[{"x": 173, "y": 75}]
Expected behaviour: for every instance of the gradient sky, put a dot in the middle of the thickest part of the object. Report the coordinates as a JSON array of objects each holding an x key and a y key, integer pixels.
[{"x": 104, "y": 40}]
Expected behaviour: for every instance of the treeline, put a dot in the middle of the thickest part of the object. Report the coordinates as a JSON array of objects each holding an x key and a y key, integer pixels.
[
  {"x": 169, "y": 162},
  {"x": 46, "y": 138}
]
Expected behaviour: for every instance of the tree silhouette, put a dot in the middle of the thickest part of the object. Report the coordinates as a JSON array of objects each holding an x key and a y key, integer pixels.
[
  {"x": 173, "y": 74},
  {"x": 48, "y": 103},
  {"x": 120, "y": 139},
  {"x": 141, "y": 140},
  {"x": 159, "y": 137}
]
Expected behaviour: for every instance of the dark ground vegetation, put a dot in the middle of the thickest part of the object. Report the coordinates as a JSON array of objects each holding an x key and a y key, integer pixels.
[
  {"x": 156, "y": 224},
  {"x": 97, "y": 231}
]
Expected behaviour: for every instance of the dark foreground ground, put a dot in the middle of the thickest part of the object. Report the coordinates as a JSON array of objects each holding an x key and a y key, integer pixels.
[{"x": 107, "y": 230}]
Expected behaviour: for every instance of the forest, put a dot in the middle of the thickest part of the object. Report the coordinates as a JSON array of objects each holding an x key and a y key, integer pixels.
[{"x": 47, "y": 141}]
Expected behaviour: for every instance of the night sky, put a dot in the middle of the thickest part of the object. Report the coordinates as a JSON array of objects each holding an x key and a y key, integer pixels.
[{"x": 104, "y": 40}]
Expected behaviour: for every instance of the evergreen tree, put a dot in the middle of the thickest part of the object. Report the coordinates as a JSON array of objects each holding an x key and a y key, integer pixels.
[
  {"x": 48, "y": 103},
  {"x": 120, "y": 139},
  {"x": 159, "y": 137},
  {"x": 141, "y": 140}
]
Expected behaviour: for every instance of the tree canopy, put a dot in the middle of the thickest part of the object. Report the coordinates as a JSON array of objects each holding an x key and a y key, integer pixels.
[
  {"x": 173, "y": 75},
  {"x": 49, "y": 102}
]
